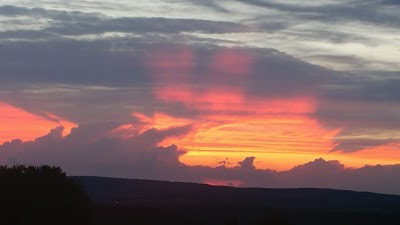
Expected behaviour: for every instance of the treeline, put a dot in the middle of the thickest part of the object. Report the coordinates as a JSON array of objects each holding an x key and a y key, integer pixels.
[
  {"x": 44, "y": 195},
  {"x": 41, "y": 195}
]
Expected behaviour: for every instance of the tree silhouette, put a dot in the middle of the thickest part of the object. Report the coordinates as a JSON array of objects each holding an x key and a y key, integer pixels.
[{"x": 41, "y": 195}]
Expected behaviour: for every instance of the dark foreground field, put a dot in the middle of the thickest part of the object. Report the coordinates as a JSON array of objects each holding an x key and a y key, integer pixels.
[{"x": 123, "y": 201}]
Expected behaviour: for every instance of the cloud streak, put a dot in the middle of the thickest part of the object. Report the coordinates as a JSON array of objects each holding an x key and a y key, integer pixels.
[{"x": 79, "y": 23}]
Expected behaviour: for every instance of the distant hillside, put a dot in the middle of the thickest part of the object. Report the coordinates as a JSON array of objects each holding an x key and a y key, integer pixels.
[
  {"x": 123, "y": 201},
  {"x": 132, "y": 191}
]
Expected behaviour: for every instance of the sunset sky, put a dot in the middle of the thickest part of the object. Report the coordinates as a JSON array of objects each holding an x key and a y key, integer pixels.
[{"x": 262, "y": 93}]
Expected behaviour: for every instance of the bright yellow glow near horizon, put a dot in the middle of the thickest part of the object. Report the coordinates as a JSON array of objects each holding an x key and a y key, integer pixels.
[{"x": 230, "y": 126}]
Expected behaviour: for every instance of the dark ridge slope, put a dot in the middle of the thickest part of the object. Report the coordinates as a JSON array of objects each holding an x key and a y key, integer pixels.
[{"x": 132, "y": 191}]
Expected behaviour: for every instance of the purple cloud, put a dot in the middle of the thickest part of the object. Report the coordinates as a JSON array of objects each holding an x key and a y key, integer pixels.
[{"x": 97, "y": 150}]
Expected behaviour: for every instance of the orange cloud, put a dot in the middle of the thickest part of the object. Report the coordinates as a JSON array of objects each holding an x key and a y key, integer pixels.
[
  {"x": 279, "y": 142},
  {"x": 17, "y": 123},
  {"x": 278, "y": 131}
]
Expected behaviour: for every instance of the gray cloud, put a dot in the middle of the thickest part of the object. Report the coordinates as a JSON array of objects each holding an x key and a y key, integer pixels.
[
  {"x": 89, "y": 146},
  {"x": 211, "y": 4},
  {"x": 248, "y": 163},
  {"x": 107, "y": 79},
  {"x": 318, "y": 167},
  {"x": 79, "y": 23},
  {"x": 391, "y": 2},
  {"x": 332, "y": 174},
  {"x": 25, "y": 35},
  {"x": 96, "y": 150},
  {"x": 330, "y": 36},
  {"x": 276, "y": 73},
  {"x": 365, "y": 11},
  {"x": 357, "y": 102},
  {"x": 66, "y": 61},
  {"x": 144, "y": 25},
  {"x": 73, "y": 79},
  {"x": 358, "y": 144},
  {"x": 375, "y": 87}
]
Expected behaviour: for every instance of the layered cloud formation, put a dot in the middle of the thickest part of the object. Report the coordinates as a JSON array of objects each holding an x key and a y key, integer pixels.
[
  {"x": 105, "y": 150},
  {"x": 182, "y": 91}
]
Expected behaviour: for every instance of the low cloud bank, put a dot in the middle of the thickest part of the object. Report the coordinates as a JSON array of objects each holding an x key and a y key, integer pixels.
[{"x": 108, "y": 150}]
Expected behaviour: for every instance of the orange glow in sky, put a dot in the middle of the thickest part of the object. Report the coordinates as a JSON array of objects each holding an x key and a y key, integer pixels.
[
  {"x": 230, "y": 126},
  {"x": 15, "y": 123},
  {"x": 277, "y": 141}
]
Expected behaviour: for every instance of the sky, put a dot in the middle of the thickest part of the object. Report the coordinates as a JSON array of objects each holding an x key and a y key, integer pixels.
[{"x": 255, "y": 93}]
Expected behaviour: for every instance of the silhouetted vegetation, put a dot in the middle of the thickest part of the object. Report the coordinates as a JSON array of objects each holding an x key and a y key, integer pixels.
[{"x": 40, "y": 196}]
